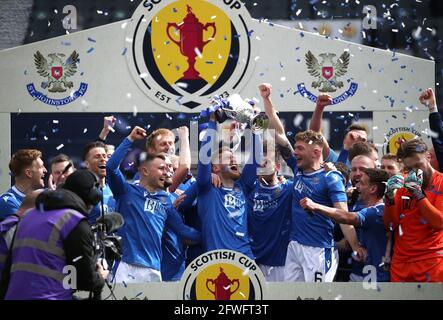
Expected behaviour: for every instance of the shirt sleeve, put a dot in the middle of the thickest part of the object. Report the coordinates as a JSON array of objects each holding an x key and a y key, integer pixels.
[
  {"x": 249, "y": 173},
  {"x": 190, "y": 197},
  {"x": 204, "y": 168},
  {"x": 175, "y": 222},
  {"x": 7, "y": 206},
  {"x": 332, "y": 157},
  {"x": 336, "y": 189},
  {"x": 114, "y": 177},
  {"x": 370, "y": 216}
]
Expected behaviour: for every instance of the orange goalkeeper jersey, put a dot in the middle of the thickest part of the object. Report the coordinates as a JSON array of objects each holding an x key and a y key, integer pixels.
[{"x": 415, "y": 237}]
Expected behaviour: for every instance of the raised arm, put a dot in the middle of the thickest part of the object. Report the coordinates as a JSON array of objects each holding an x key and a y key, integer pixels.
[
  {"x": 427, "y": 98},
  {"x": 185, "y": 159},
  {"x": 108, "y": 124},
  {"x": 114, "y": 176},
  {"x": 323, "y": 100},
  {"x": 204, "y": 168},
  {"x": 274, "y": 121}
]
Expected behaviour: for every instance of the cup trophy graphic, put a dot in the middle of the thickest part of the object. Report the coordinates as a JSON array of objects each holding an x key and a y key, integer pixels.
[
  {"x": 222, "y": 286},
  {"x": 191, "y": 44}
]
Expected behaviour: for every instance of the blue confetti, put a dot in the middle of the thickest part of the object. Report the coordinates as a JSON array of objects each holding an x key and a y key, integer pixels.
[
  {"x": 82, "y": 73},
  {"x": 250, "y": 33},
  {"x": 403, "y": 67},
  {"x": 92, "y": 40},
  {"x": 90, "y": 50},
  {"x": 302, "y": 34},
  {"x": 209, "y": 62},
  {"x": 370, "y": 67},
  {"x": 174, "y": 10},
  {"x": 124, "y": 51},
  {"x": 26, "y": 72}
]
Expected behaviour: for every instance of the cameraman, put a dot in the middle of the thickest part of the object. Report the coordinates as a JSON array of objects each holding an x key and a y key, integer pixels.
[{"x": 52, "y": 236}]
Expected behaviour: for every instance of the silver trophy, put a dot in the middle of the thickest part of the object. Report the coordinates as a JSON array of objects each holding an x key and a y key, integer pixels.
[{"x": 237, "y": 109}]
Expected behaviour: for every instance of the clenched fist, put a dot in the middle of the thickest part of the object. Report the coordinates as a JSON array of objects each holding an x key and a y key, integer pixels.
[{"x": 265, "y": 90}]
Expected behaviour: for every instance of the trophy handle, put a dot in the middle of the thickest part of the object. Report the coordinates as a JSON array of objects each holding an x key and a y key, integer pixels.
[
  {"x": 172, "y": 24},
  {"x": 238, "y": 285},
  {"x": 208, "y": 25},
  {"x": 207, "y": 282}
]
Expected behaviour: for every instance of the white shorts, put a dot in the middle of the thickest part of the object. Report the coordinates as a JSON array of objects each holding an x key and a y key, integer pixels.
[
  {"x": 310, "y": 264},
  {"x": 273, "y": 274},
  {"x": 130, "y": 273}
]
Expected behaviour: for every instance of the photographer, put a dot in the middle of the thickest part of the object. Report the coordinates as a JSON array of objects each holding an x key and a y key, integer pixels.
[{"x": 52, "y": 236}]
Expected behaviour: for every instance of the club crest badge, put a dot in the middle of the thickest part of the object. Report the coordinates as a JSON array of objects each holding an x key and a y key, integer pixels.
[
  {"x": 57, "y": 71},
  {"x": 328, "y": 74}
]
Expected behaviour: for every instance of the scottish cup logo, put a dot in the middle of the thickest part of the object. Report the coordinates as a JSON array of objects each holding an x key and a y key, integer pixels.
[
  {"x": 56, "y": 71},
  {"x": 186, "y": 51},
  {"x": 328, "y": 74},
  {"x": 222, "y": 275}
]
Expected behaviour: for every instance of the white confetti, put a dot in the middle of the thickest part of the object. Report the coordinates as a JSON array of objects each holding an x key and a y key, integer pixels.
[
  {"x": 128, "y": 95},
  {"x": 283, "y": 79},
  {"x": 143, "y": 75},
  {"x": 298, "y": 12},
  {"x": 45, "y": 137},
  {"x": 54, "y": 121},
  {"x": 298, "y": 119},
  {"x": 124, "y": 24},
  {"x": 134, "y": 110},
  {"x": 338, "y": 297},
  {"x": 182, "y": 84},
  {"x": 60, "y": 146},
  {"x": 76, "y": 259},
  {"x": 198, "y": 53},
  {"x": 213, "y": 17},
  {"x": 256, "y": 58},
  {"x": 400, "y": 230},
  {"x": 85, "y": 130}
]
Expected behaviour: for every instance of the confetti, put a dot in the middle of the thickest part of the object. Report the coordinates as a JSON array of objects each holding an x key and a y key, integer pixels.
[
  {"x": 90, "y": 50},
  {"x": 124, "y": 51},
  {"x": 198, "y": 53},
  {"x": 182, "y": 84},
  {"x": 76, "y": 259},
  {"x": 91, "y": 39},
  {"x": 54, "y": 121},
  {"x": 85, "y": 130},
  {"x": 123, "y": 25},
  {"x": 143, "y": 75},
  {"x": 134, "y": 111},
  {"x": 298, "y": 120},
  {"x": 283, "y": 79},
  {"x": 60, "y": 146}
]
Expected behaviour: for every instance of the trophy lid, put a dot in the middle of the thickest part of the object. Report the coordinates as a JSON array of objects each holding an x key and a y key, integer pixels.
[{"x": 190, "y": 17}]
